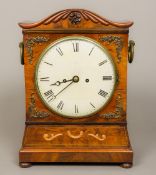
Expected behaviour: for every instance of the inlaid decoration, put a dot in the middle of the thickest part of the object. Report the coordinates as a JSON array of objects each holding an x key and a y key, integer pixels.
[
  {"x": 75, "y": 136},
  {"x": 49, "y": 137},
  {"x": 96, "y": 136},
  {"x": 82, "y": 134}
]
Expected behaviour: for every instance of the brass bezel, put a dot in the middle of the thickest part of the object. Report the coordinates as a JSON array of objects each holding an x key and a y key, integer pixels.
[{"x": 80, "y": 38}]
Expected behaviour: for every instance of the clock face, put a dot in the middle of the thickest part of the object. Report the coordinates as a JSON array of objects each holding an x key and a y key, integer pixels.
[{"x": 75, "y": 77}]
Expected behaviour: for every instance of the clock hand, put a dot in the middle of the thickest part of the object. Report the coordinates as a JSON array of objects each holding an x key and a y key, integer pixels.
[
  {"x": 75, "y": 79},
  {"x": 63, "y": 89},
  {"x": 58, "y": 82}
]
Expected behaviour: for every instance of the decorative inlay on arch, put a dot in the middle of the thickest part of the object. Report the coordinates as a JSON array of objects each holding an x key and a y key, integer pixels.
[{"x": 75, "y": 16}]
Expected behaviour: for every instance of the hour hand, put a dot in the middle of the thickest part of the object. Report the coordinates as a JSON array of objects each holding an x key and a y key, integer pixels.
[{"x": 58, "y": 82}]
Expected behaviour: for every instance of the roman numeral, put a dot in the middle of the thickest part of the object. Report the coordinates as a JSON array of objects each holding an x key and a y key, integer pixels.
[
  {"x": 44, "y": 79},
  {"x": 48, "y": 63},
  {"x": 76, "y": 109},
  {"x": 107, "y": 77},
  {"x": 59, "y": 51},
  {"x": 92, "y": 105},
  {"x": 50, "y": 95},
  {"x": 103, "y": 62},
  {"x": 103, "y": 93},
  {"x": 60, "y": 105},
  {"x": 76, "y": 47},
  {"x": 91, "y": 51}
]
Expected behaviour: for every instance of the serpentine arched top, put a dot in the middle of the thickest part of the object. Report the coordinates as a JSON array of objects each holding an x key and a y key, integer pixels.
[{"x": 75, "y": 16}]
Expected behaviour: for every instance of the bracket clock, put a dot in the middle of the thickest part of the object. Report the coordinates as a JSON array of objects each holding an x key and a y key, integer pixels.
[{"x": 75, "y": 65}]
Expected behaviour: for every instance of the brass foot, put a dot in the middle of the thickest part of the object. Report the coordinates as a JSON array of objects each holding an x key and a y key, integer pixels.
[
  {"x": 25, "y": 164},
  {"x": 126, "y": 165}
]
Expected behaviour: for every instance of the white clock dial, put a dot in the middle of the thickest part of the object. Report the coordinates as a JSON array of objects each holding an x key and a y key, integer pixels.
[{"x": 75, "y": 77}]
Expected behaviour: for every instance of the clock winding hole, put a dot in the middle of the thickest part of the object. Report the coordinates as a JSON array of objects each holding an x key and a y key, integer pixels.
[{"x": 87, "y": 80}]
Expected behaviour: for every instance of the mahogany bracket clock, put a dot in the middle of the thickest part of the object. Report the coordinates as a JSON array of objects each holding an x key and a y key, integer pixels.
[{"x": 75, "y": 65}]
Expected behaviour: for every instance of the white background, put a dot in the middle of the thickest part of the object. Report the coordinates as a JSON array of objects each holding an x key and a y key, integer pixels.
[{"x": 141, "y": 82}]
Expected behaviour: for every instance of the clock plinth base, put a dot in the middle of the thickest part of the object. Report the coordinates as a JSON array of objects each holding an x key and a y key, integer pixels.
[
  {"x": 76, "y": 144},
  {"x": 111, "y": 156}
]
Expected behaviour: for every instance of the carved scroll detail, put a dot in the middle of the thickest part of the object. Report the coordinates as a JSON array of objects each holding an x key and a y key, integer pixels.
[
  {"x": 74, "y": 16},
  {"x": 75, "y": 136},
  {"x": 96, "y": 136},
  {"x": 31, "y": 42},
  {"x": 49, "y": 137},
  {"x": 33, "y": 111},
  {"x": 118, "y": 41}
]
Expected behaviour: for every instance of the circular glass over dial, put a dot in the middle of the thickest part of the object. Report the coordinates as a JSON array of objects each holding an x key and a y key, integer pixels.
[{"x": 75, "y": 77}]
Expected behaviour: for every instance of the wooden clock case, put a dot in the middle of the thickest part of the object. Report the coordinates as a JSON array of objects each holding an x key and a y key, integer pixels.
[{"x": 101, "y": 138}]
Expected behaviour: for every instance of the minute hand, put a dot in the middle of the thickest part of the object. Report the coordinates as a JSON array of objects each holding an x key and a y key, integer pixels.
[{"x": 63, "y": 89}]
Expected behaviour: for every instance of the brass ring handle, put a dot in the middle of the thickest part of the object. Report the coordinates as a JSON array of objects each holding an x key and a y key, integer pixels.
[
  {"x": 131, "y": 51},
  {"x": 21, "y": 46}
]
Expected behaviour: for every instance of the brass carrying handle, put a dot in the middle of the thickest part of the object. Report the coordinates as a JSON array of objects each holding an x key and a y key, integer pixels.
[
  {"x": 131, "y": 51},
  {"x": 21, "y": 46}
]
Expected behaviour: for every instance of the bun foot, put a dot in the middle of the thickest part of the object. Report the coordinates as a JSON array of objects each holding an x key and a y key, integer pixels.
[
  {"x": 25, "y": 164},
  {"x": 126, "y": 165}
]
